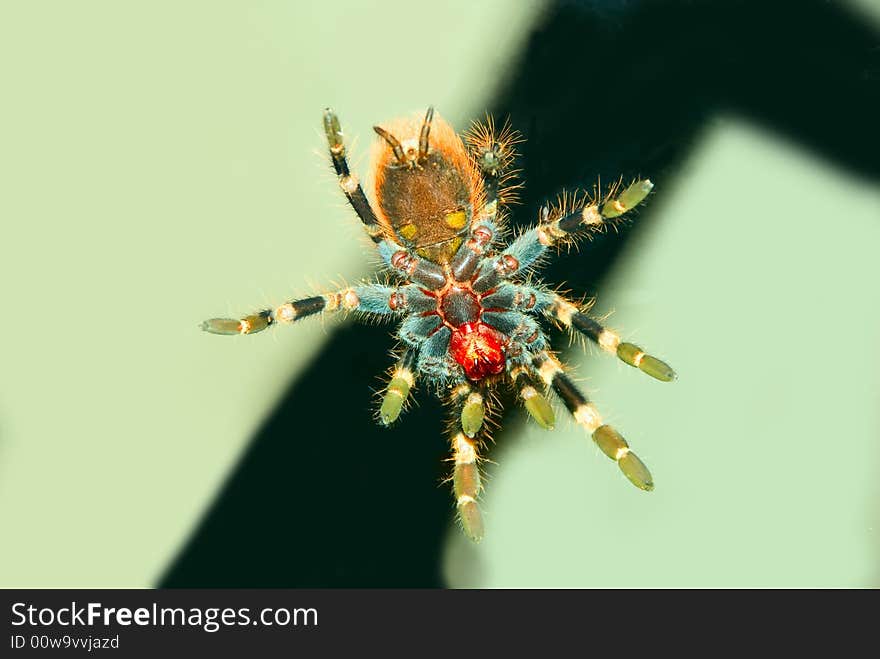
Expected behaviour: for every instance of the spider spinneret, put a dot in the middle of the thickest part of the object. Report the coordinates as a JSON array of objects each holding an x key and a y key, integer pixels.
[{"x": 468, "y": 312}]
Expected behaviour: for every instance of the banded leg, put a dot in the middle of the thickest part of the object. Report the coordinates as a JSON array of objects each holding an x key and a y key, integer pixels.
[
  {"x": 402, "y": 380},
  {"x": 591, "y": 217},
  {"x": 571, "y": 317},
  {"x": 348, "y": 181},
  {"x": 585, "y": 414},
  {"x": 531, "y": 245},
  {"x": 395, "y": 256},
  {"x": 367, "y": 298},
  {"x": 466, "y": 485}
]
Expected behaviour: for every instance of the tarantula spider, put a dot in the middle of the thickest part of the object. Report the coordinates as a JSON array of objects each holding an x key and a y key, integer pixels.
[{"x": 468, "y": 315}]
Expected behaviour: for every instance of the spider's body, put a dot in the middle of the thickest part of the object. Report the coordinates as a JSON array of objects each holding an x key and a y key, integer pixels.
[{"x": 468, "y": 315}]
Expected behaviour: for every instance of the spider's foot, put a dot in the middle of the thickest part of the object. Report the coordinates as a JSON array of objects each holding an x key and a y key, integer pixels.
[
  {"x": 627, "y": 200},
  {"x": 472, "y": 413},
  {"x": 333, "y": 130},
  {"x": 247, "y": 325},
  {"x": 535, "y": 402},
  {"x": 225, "y": 326},
  {"x": 615, "y": 447},
  {"x": 395, "y": 396},
  {"x": 466, "y": 485},
  {"x": 538, "y": 407},
  {"x": 471, "y": 518},
  {"x": 633, "y": 355}
]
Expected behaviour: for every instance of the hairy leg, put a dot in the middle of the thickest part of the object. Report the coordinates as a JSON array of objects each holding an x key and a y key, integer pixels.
[
  {"x": 585, "y": 414},
  {"x": 372, "y": 299}
]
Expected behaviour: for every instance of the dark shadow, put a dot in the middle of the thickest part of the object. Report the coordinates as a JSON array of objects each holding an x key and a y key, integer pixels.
[{"x": 323, "y": 496}]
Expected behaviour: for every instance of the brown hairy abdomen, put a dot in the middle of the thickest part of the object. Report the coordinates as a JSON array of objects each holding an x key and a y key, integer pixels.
[
  {"x": 427, "y": 203},
  {"x": 424, "y": 197}
]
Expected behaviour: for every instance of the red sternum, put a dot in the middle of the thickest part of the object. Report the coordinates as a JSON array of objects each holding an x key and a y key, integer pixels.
[{"x": 477, "y": 347}]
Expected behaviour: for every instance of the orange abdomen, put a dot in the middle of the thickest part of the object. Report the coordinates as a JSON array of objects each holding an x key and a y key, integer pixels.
[{"x": 427, "y": 203}]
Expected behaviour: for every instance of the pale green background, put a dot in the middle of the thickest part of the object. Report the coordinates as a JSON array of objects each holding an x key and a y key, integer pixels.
[{"x": 162, "y": 162}]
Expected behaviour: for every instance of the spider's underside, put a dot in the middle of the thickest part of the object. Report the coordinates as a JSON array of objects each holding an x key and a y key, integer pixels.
[{"x": 468, "y": 312}]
